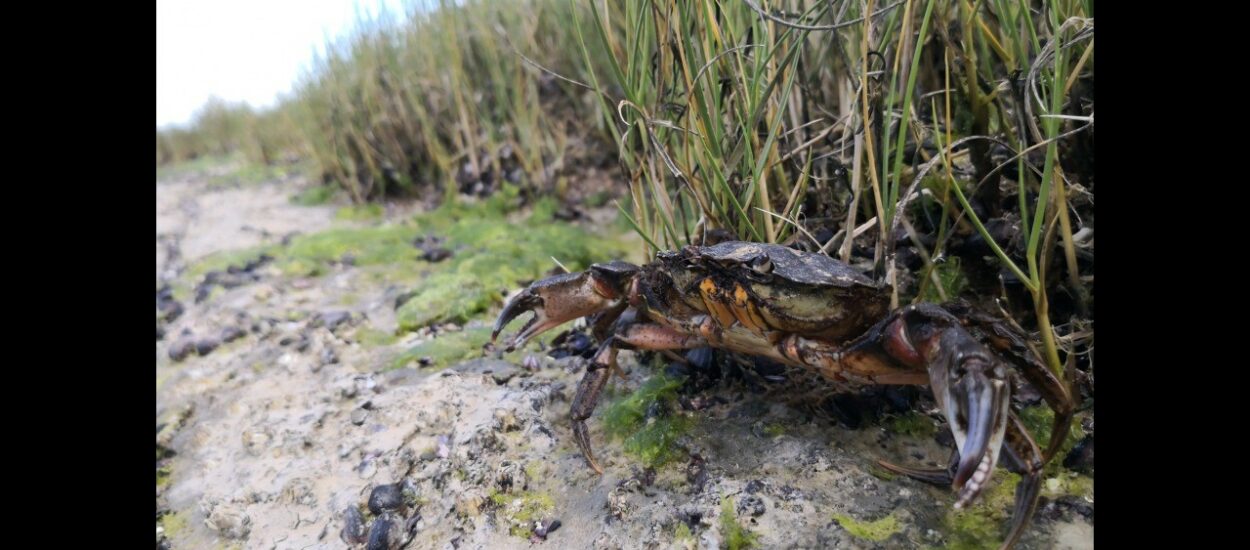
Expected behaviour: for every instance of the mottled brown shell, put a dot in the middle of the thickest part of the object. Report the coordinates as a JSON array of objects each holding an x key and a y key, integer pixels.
[{"x": 795, "y": 291}]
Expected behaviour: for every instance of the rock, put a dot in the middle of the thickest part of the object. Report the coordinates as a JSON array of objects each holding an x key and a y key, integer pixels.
[
  {"x": 1081, "y": 458},
  {"x": 502, "y": 375},
  {"x": 328, "y": 357},
  {"x": 436, "y": 254},
  {"x": 205, "y": 346},
  {"x": 359, "y": 416},
  {"x": 469, "y": 503},
  {"x": 511, "y": 477},
  {"x": 181, "y": 348},
  {"x": 299, "y": 491},
  {"x": 386, "y": 498},
  {"x": 403, "y": 298},
  {"x": 751, "y": 505},
  {"x": 230, "y": 334},
  {"x": 256, "y": 440},
  {"x": 354, "y": 530},
  {"x": 332, "y": 319},
  {"x": 229, "y": 521},
  {"x": 505, "y": 421}
]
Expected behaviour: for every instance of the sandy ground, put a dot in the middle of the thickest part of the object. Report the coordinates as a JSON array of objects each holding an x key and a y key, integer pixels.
[{"x": 276, "y": 433}]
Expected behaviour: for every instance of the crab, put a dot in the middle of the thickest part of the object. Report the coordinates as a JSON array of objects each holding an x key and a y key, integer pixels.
[{"x": 812, "y": 312}]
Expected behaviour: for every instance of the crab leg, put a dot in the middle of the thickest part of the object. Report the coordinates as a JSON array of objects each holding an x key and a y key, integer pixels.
[
  {"x": 1021, "y": 456},
  {"x": 644, "y": 336}
]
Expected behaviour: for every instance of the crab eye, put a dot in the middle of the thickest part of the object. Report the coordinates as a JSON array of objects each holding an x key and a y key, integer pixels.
[{"x": 763, "y": 266}]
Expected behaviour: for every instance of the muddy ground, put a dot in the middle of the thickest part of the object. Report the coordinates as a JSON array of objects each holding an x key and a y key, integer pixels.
[{"x": 280, "y": 408}]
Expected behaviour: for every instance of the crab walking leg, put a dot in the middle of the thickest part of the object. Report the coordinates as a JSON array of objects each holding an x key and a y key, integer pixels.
[
  {"x": 1021, "y": 456},
  {"x": 637, "y": 336},
  {"x": 588, "y": 392}
]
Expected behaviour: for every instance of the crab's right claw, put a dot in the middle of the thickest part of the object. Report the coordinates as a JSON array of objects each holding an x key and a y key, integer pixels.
[{"x": 562, "y": 298}]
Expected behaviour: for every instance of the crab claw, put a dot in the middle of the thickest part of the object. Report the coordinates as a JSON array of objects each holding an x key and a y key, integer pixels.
[
  {"x": 972, "y": 389},
  {"x": 562, "y": 298}
]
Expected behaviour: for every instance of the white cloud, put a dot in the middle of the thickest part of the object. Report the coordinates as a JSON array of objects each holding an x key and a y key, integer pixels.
[{"x": 240, "y": 50}]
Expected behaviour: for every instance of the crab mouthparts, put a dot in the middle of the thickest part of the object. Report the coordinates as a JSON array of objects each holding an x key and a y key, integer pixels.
[{"x": 977, "y": 408}]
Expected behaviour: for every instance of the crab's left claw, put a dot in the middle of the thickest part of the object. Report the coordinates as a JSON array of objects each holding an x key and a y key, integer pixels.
[
  {"x": 969, "y": 382},
  {"x": 972, "y": 389},
  {"x": 561, "y": 298}
]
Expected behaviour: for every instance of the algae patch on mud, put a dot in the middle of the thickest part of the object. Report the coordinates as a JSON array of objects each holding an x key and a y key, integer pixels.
[
  {"x": 523, "y": 510},
  {"x": 734, "y": 535},
  {"x": 876, "y": 531},
  {"x": 645, "y": 421},
  {"x": 913, "y": 424},
  {"x": 492, "y": 255},
  {"x": 447, "y": 349},
  {"x": 983, "y": 525}
]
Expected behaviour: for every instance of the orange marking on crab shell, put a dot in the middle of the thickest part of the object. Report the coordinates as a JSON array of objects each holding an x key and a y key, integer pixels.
[
  {"x": 711, "y": 298},
  {"x": 746, "y": 311}
]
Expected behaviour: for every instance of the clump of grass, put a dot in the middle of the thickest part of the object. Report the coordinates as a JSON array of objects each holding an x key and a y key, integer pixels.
[{"x": 758, "y": 121}]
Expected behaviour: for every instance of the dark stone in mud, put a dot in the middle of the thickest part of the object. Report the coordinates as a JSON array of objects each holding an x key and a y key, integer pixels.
[
  {"x": 751, "y": 505},
  {"x": 403, "y": 298},
  {"x": 353, "y": 526},
  {"x": 205, "y": 346},
  {"x": 696, "y": 472},
  {"x": 1081, "y": 458},
  {"x": 570, "y": 343},
  {"x": 502, "y": 375},
  {"x": 168, "y": 307},
  {"x": 160, "y": 333},
  {"x": 1065, "y": 507},
  {"x": 359, "y": 416},
  {"x": 332, "y": 319},
  {"x": 181, "y": 349},
  {"x": 388, "y": 532},
  {"x": 436, "y": 254},
  {"x": 386, "y": 498},
  {"x": 406, "y": 376},
  {"x": 754, "y": 486},
  {"x": 498, "y": 370},
  {"x": 230, "y": 334},
  {"x": 545, "y": 528}
]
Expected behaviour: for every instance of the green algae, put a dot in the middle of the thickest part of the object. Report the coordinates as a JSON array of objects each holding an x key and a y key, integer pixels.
[
  {"x": 876, "y": 531},
  {"x": 173, "y": 523},
  {"x": 360, "y": 212},
  {"x": 446, "y": 349},
  {"x": 523, "y": 510},
  {"x": 734, "y": 536},
  {"x": 913, "y": 424},
  {"x": 651, "y": 440},
  {"x": 983, "y": 524}
]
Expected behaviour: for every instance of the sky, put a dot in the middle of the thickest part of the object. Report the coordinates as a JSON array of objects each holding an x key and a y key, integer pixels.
[{"x": 241, "y": 50}]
